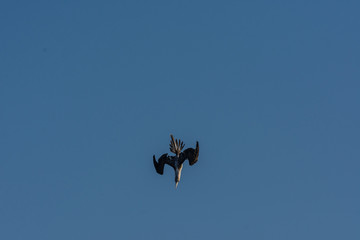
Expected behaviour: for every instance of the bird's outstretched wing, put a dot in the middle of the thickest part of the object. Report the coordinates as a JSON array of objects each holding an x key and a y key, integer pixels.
[
  {"x": 159, "y": 165},
  {"x": 191, "y": 154}
]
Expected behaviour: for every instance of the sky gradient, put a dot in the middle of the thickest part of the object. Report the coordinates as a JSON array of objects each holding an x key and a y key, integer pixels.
[{"x": 90, "y": 90}]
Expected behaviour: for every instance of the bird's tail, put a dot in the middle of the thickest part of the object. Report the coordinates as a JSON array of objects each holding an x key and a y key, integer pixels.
[{"x": 176, "y": 145}]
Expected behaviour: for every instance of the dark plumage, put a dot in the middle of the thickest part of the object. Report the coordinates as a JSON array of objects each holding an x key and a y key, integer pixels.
[{"x": 176, "y": 162}]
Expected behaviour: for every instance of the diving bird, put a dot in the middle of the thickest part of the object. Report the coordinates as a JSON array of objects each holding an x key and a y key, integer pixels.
[{"x": 176, "y": 162}]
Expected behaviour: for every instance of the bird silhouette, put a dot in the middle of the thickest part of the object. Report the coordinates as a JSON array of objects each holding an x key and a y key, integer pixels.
[{"x": 176, "y": 162}]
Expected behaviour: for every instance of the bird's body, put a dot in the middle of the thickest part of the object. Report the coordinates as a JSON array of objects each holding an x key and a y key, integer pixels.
[{"x": 176, "y": 162}]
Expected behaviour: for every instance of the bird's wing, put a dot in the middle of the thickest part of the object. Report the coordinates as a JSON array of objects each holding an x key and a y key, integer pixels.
[
  {"x": 159, "y": 165},
  {"x": 191, "y": 154}
]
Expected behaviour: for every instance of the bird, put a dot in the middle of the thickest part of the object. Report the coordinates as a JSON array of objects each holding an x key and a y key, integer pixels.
[{"x": 176, "y": 162}]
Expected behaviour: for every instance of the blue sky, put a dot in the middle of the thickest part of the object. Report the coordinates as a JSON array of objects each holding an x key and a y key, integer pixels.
[{"x": 90, "y": 90}]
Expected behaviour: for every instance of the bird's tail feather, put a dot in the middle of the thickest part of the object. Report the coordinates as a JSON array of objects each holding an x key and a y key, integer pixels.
[{"x": 176, "y": 145}]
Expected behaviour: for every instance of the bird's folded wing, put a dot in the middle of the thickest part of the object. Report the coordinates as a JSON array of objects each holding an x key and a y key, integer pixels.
[
  {"x": 191, "y": 154},
  {"x": 159, "y": 165}
]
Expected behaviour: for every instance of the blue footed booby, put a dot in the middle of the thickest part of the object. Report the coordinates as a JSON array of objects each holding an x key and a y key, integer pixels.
[{"x": 176, "y": 162}]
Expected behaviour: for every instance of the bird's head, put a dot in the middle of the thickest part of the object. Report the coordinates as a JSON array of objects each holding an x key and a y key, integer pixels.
[
  {"x": 178, "y": 175},
  {"x": 177, "y": 180}
]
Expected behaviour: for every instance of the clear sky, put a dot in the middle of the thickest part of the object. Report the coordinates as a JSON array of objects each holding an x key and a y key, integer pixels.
[{"x": 90, "y": 90}]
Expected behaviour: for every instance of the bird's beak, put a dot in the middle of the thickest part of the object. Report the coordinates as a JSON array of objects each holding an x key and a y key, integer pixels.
[{"x": 176, "y": 185}]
